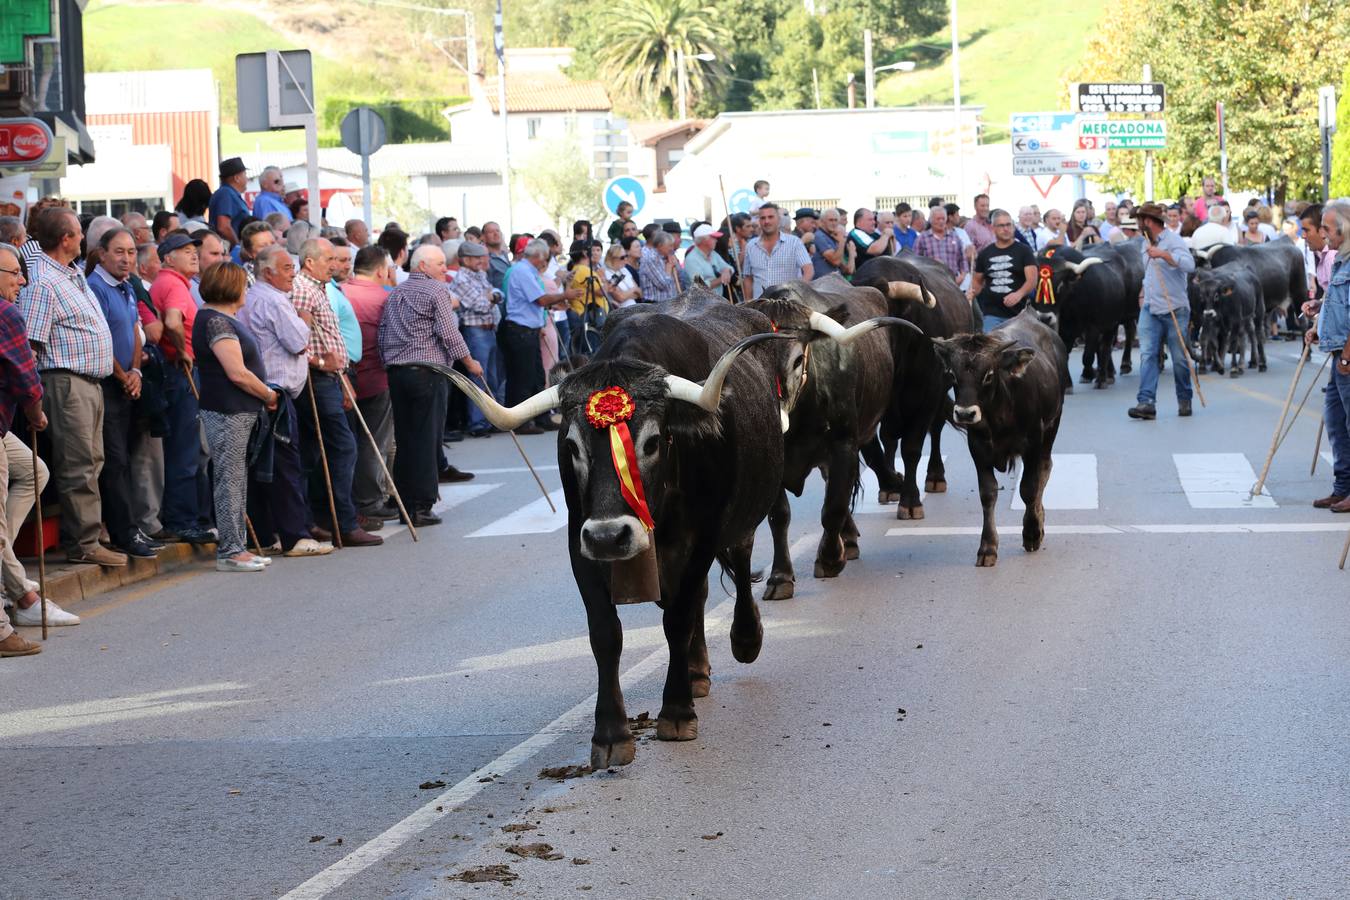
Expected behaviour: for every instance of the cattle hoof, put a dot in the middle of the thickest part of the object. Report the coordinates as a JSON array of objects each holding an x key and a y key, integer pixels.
[
  {"x": 851, "y": 550},
  {"x": 986, "y": 559},
  {"x": 672, "y": 730},
  {"x": 935, "y": 485},
  {"x": 745, "y": 647},
  {"x": 780, "y": 590},
  {"x": 1088, "y": 378},
  {"x": 828, "y": 568},
  {"x": 1031, "y": 543},
  {"x": 1234, "y": 373},
  {"x": 888, "y": 496},
  {"x": 1099, "y": 386},
  {"x": 909, "y": 512},
  {"x": 1110, "y": 379},
  {"x": 699, "y": 685},
  {"x": 1261, "y": 368},
  {"x": 620, "y": 753},
  {"x": 1126, "y": 368}
]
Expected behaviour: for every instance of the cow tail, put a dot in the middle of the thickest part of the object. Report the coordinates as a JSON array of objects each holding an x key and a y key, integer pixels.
[{"x": 724, "y": 563}]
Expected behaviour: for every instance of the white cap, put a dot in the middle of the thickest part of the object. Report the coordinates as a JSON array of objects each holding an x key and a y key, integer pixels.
[{"x": 703, "y": 231}]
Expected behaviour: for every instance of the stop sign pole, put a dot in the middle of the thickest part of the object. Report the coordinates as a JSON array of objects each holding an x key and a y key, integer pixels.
[{"x": 363, "y": 133}]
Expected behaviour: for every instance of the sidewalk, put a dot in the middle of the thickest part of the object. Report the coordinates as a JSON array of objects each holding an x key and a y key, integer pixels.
[{"x": 67, "y": 582}]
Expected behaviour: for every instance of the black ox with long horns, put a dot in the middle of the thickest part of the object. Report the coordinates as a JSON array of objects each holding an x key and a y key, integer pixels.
[
  {"x": 836, "y": 405},
  {"x": 656, "y": 465}
]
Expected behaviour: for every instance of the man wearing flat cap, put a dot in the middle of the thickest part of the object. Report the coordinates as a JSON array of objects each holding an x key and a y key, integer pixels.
[
  {"x": 805, "y": 222},
  {"x": 186, "y": 510},
  {"x": 227, "y": 210},
  {"x": 1164, "y": 312},
  {"x": 477, "y": 301}
]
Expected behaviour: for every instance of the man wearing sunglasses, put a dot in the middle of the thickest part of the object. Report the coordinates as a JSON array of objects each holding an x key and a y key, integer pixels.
[{"x": 1005, "y": 271}]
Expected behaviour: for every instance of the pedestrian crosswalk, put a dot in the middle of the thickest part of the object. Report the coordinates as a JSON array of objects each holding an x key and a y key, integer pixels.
[{"x": 1206, "y": 481}]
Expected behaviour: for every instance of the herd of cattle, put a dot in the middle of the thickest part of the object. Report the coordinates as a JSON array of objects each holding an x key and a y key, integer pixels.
[{"x": 695, "y": 418}]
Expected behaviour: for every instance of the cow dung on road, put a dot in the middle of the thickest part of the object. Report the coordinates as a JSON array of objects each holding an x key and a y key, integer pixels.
[{"x": 481, "y": 874}]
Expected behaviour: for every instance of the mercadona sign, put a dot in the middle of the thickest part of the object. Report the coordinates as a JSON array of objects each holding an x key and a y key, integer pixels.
[{"x": 1133, "y": 134}]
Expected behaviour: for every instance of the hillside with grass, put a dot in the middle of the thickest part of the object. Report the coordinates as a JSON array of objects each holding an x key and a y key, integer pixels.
[
  {"x": 362, "y": 55},
  {"x": 1014, "y": 58}
]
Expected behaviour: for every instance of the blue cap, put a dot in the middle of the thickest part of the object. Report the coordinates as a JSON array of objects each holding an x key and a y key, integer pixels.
[{"x": 176, "y": 242}]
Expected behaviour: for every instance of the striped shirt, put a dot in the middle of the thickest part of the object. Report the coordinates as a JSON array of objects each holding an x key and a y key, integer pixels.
[
  {"x": 19, "y": 382},
  {"x": 325, "y": 336},
  {"x": 418, "y": 324},
  {"x": 474, "y": 294},
  {"x": 771, "y": 267},
  {"x": 282, "y": 336},
  {"x": 64, "y": 318}
]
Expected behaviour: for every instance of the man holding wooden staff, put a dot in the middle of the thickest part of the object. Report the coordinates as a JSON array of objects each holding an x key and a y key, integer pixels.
[
  {"x": 22, "y": 389},
  {"x": 1331, "y": 333},
  {"x": 1164, "y": 312}
]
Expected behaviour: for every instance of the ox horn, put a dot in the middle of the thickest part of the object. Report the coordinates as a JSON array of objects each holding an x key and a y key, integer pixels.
[
  {"x": 827, "y": 326},
  {"x": 904, "y": 290},
  {"x": 504, "y": 418},
  {"x": 1079, "y": 268},
  {"x": 1204, "y": 254},
  {"x": 708, "y": 395}
]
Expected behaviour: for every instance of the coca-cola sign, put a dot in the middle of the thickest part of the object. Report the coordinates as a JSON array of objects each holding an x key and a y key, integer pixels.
[{"x": 24, "y": 142}]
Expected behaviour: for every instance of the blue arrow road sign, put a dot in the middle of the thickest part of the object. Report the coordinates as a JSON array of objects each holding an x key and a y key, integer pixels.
[
  {"x": 624, "y": 189},
  {"x": 740, "y": 200}
]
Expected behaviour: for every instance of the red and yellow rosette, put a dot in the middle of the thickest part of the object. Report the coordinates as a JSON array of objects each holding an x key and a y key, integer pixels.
[
  {"x": 611, "y": 408},
  {"x": 1045, "y": 287}
]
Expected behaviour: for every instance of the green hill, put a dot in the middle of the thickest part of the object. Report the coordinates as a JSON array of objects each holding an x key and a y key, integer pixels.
[
  {"x": 144, "y": 34},
  {"x": 1013, "y": 59}
]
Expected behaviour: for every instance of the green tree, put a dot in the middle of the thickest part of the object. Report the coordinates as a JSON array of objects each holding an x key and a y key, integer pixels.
[
  {"x": 798, "y": 37},
  {"x": 558, "y": 178},
  {"x": 1340, "y": 148},
  {"x": 639, "y": 43},
  {"x": 391, "y": 198},
  {"x": 1266, "y": 62}
]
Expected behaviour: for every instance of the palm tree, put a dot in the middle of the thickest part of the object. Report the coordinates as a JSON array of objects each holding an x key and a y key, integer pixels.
[{"x": 640, "y": 40}]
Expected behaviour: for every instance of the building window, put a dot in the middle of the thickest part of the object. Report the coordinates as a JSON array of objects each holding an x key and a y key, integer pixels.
[{"x": 532, "y": 126}]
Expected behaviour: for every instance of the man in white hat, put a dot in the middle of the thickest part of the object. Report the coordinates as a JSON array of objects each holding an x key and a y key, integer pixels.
[{"x": 704, "y": 264}]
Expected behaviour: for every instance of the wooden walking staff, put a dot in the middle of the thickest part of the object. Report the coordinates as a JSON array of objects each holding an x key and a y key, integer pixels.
[
  {"x": 1279, "y": 426},
  {"x": 1317, "y": 447},
  {"x": 389, "y": 479},
  {"x": 42, "y": 536},
  {"x": 323, "y": 457}
]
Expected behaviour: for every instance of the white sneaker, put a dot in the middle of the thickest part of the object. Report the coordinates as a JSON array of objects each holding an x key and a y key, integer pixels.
[
  {"x": 239, "y": 565},
  {"x": 310, "y": 547},
  {"x": 32, "y": 616}
]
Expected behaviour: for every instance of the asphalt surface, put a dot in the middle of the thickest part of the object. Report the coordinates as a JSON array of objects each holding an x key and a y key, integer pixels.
[{"x": 1156, "y": 704}]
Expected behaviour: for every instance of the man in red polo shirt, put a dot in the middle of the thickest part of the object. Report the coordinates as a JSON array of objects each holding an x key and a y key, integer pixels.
[{"x": 187, "y": 507}]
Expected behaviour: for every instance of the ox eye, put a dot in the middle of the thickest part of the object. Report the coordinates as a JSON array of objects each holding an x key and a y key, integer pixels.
[
  {"x": 651, "y": 445},
  {"x": 989, "y": 377}
]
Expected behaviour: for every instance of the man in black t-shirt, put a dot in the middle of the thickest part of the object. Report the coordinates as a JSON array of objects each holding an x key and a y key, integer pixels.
[{"x": 1005, "y": 272}]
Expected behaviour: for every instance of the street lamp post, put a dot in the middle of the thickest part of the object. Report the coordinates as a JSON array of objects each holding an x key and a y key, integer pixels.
[
  {"x": 870, "y": 71},
  {"x": 682, "y": 78}
]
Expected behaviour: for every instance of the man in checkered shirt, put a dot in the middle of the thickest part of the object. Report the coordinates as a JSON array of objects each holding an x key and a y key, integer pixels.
[
  {"x": 775, "y": 256},
  {"x": 74, "y": 353},
  {"x": 327, "y": 358}
]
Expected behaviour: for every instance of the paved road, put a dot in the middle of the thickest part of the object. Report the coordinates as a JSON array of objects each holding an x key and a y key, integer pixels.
[{"x": 1155, "y": 704}]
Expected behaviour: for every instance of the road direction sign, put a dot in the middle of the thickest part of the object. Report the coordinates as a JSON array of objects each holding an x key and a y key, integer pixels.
[
  {"x": 1121, "y": 134},
  {"x": 740, "y": 200},
  {"x": 624, "y": 189},
  {"x": 1048, "y": 144},
  {"x": 1141, "y": 97},
  {"x": 275, "y": 89}
]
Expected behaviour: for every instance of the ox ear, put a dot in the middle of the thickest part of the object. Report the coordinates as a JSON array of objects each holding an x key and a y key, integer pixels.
[
  {"x": 1228, "y": 292},
  {"x": 1015, "y": 360}
]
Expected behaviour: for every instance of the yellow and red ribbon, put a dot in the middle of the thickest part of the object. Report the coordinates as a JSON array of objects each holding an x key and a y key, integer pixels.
[
  {"x": 611, "y": 408},
  {"x": 1045, "y": 287}
]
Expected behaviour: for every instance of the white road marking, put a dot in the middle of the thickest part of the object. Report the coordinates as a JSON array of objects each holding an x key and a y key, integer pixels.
[
  {"x": 88, "y": 713},
  {"x": 449, "y": 801},
  {"x": 1326, "y": 455},
  {"x": 453, "y": 495},
  {"x": 1220, "y": 481},
  {"x": 964, "y": 530},
  {"x": 532, "y": 518},
  {"x": 1184, "y": 528},
  {"x": 867, "y": 501},
  {"x": 1073, "y": 483}
]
